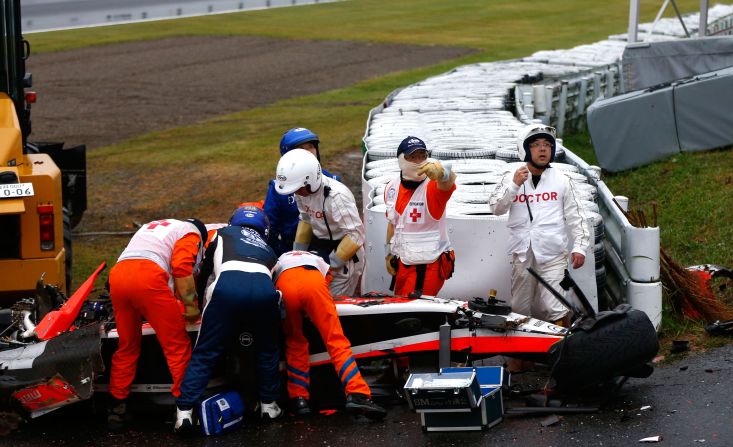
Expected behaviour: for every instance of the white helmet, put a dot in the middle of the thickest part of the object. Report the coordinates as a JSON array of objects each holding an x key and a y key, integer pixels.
[
  {"x": 297, "y": 168},
  {"x": 531, "y": 133}
]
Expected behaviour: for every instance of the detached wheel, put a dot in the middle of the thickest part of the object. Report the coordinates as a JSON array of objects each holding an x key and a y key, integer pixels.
[
  {"x": 617, "y": 346},
  {"x": 68, "y": 250}
]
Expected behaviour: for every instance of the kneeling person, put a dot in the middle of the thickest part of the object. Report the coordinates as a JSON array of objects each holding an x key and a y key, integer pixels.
[
  {"x": 242, "y": 295},
  {"x": 301, "y": 277}
]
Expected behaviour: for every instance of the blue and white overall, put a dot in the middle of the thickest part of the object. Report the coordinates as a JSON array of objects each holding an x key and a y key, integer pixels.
[{"x": 242, "y": 297}]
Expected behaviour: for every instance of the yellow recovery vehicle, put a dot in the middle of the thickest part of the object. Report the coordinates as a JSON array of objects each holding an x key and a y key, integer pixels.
[{"x": 42, "y": 185}]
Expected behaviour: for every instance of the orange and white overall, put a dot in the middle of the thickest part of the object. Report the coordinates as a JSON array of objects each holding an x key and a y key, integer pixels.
[
  {"x": 301, "y": 279},
  {"x": 419, "y": 211},
  {"x": 141, "y": 287}
]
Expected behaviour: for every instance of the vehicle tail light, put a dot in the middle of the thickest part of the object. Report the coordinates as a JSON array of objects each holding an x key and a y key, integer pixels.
[
  {"x": 31, "y": 97},
  {"x": 45, "y": 220}
]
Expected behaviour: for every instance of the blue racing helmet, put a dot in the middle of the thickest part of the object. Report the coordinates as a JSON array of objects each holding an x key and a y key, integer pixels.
[
  {"x": 251, "y": 217},
  {"x": 295, "y": 137}
]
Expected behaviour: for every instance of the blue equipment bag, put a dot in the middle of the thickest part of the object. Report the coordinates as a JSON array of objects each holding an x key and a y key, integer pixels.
[{"x": 221, "y": 413}]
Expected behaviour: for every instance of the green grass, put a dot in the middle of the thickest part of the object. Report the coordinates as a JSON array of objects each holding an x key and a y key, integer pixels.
[
  {"x": 692, "y": 192},
  {"x": 502, "y": 28}
]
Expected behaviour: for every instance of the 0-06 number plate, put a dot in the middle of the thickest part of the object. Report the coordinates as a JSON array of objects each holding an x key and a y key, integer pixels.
[{"x": 13, "y": 190}]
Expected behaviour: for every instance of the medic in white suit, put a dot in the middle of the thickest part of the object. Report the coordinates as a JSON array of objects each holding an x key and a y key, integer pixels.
[{"x": 542, "y": 204}]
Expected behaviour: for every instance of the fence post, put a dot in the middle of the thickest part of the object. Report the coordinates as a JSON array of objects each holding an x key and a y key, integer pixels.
[
  {"x": 538, "y": 93},
  {"x": 548, "y": 104},
  {"x": 581, "y": 96},
  {"x": 609, "y": 83},
  {"x": 527, "y": 104},
  {"x": 562, "y": 107},
  {"x": 621, "y": 81},
  {"x": 596, "y": 85}
]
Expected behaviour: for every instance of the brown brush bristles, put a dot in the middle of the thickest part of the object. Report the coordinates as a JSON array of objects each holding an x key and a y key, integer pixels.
[{"x": 688, "y": 294}]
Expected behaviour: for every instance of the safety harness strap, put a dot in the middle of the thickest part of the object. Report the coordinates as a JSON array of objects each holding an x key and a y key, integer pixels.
[{"x": 420, "y": 270}]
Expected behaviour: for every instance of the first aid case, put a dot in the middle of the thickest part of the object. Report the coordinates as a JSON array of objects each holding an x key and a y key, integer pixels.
[{"x": 221, "y": 413}]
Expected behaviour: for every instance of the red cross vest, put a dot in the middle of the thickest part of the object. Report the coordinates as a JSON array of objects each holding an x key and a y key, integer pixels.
[
  {"x": 155, "y": 241},
  {"x": 297, "y": 258},
  {"x": 418, "y": 237}
]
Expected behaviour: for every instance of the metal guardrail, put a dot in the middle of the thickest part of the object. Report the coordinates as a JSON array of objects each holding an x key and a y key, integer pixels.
[
  {"x": 632, "y": 253},
  {"x": 563, "y": 102},
  {"x": 721, "y": 27},
  {"x": 51, "y": 15}
]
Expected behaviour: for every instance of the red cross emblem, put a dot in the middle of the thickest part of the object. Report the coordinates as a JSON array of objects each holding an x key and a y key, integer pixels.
[
  {"x": 155, "y": 223},
  {"x": 415, "y": 215}
]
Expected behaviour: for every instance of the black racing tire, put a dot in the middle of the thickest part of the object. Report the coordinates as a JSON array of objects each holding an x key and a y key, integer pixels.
[
  {"x": 559, "y": 155},
  {"x": 598, "y": 229},
  {"x": 69, "y": 261},
  {"x": 601, "y": 278},
  {"x": 599, "y": 251},
  {"x": 616, "y": 347},
  {"x": 508, "y": 155}
]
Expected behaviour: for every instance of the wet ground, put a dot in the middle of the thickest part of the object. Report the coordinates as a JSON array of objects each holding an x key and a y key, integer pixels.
[{"x": 687, "y": 402}]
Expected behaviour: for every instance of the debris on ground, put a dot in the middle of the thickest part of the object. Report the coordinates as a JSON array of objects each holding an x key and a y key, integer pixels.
[
  {"x": 679, "y": 346},
  {"x": 9, "y": 422},
  {"x": 550, "y": 420},
  {"x": 651, "y": 439}
]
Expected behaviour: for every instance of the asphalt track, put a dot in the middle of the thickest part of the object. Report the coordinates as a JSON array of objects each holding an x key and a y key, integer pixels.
[{"x": 686, "y": 401}]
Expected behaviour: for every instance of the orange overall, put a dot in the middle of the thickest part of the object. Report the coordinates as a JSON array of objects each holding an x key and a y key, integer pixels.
[
  {"x": 139, "y": 289},
  {"x": 305, "y": 291}
]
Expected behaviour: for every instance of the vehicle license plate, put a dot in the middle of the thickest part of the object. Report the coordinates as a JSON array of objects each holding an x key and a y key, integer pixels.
[{"x": 13, "y": 190}]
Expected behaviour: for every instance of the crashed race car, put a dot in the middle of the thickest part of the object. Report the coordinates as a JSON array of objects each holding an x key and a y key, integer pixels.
[
  {"x": 63, "y": 358},
  {"x": 49, "y": 350}
]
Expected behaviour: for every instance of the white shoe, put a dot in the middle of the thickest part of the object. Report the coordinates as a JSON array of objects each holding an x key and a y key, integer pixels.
[
  {"x": 184, "y": 421},
  {"x": 270, "y": 411}
]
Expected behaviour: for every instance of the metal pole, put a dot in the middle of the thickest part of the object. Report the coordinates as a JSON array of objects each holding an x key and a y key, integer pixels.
[
  {"x": 658, "y": 17},
  {"x": 679, "y": 17},
  {"x": 562, "y": 108},
  {"x": 702, "y": 29},
  {"x": 633, "y": 20}
]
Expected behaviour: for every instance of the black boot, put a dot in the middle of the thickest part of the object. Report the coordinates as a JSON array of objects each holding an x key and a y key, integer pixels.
[
  {"x": 299, "y": 406},
  {"x": 361, "y": 404},
  {"x": 117, "y": 417}
]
